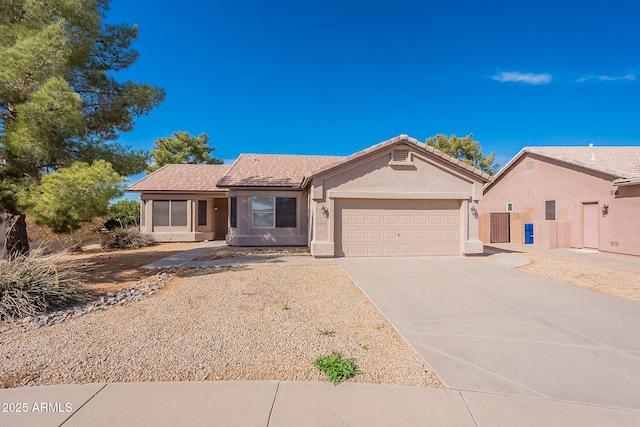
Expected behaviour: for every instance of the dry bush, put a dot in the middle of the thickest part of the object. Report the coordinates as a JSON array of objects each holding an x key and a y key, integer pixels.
[
  {"x": 126, "y": 238},
  {"x": 50, "y": 242},
  {"x": 34, "y": 284}
]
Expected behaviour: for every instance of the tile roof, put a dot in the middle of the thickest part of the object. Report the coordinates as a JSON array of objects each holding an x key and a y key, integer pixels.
[
  {"x": 272, "y": 170},
  {"x": 408, "y": 140},
  {"x": 181, "y": 178},
  {"x": 622, "y": 162}
]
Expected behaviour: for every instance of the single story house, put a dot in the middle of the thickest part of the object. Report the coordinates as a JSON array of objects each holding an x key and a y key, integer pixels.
[
  {"x": 566, "y": 197},
  {"x": 181, "y": 203},
  {"x": 399, "y": 197}
]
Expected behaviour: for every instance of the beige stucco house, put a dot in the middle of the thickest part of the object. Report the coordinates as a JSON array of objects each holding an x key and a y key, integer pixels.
[
  {"x": 579, "y": 197},
  {"x": 399, "y": 197},
  {"x": 181, "y": 203}
]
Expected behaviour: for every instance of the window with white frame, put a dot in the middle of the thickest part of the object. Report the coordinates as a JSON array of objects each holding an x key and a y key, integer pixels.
[
  {"x": 509, "y": 207},
  {"x": 272, "y": 212}
]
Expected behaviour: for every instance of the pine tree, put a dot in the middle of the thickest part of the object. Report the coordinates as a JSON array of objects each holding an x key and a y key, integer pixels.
[{"x": 60, "y": 104}]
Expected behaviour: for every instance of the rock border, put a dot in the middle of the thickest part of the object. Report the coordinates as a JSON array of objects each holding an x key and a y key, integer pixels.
[{"x": 124, "y": 296}]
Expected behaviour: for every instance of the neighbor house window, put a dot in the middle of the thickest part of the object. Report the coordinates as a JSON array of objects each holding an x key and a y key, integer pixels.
[
  {"x": 233, "y": 212},
  {"x": 168, "y": 213},
  {"x": 509, "y": 207},
  {"x": 202, "y": 212},
  {"x": 269, "y": 212},
  {"x": 550, "y": 210}
]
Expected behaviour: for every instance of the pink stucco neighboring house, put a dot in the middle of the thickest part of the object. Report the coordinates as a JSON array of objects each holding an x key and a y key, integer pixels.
[
  {"x": 398, "y": 197},
  {"x": 571, "y": 197}
]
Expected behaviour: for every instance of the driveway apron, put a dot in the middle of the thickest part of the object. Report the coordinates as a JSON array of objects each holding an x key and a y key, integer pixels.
[{"x": 485, "y": 328}]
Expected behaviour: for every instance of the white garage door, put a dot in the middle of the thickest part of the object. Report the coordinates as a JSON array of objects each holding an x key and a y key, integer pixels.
[{"x": 397, "y": 227}]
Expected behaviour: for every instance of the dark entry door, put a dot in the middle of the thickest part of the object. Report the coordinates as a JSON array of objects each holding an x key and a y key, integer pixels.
[
  {"x": 222, "y": 218},
  {"x": 499, "y": 227}
]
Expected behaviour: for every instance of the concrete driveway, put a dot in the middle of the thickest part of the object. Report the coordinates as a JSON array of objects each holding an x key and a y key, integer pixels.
[{"x": 486, "y": 328}]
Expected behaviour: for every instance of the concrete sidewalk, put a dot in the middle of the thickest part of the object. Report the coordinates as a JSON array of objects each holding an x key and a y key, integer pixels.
[
  {"x": 286, "y": 403},
  {"x": 187, "y": 259}
]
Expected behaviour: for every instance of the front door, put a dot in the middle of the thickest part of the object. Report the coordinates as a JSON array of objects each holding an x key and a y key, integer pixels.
[
  {"x": 221, "y": 207},
  {"x": 591, "y": 234}
]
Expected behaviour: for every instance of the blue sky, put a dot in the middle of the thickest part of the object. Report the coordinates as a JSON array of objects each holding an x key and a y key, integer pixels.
[{"x": 335, "y": 77}]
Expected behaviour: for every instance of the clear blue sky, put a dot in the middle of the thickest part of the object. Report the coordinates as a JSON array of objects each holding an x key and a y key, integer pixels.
[{"x": 334, "y": 77}]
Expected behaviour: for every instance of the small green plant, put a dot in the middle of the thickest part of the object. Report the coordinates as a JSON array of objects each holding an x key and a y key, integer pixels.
[
  {"x": 336, "y": 368},
  {"x": 326, "y": 332},
  {"x": 33, "y": 284},
  {"x": 365, "y": 347},
  {"x": 126, "y": 238},
  {"x": 285, "y": 307}
]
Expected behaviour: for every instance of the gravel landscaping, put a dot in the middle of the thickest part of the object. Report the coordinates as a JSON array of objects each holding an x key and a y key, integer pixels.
[
  {"x": 611, "y": 274},
  {"x": 228, "y": 323}
]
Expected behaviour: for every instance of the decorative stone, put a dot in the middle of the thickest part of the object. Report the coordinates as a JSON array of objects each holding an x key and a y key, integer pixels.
[{"x": 124, "y": 296}]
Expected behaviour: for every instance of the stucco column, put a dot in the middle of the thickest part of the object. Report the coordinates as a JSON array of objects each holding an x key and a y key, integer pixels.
[{"x": 472, "y": 244}]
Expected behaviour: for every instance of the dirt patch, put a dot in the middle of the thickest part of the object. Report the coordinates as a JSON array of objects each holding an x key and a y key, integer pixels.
[
  {"x": 237, "y": 252},
  {"x": 109, "y": 271},
  {"x": 611, "y": 274}
]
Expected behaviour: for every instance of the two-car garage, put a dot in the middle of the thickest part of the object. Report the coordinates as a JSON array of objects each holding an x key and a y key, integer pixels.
[{"x": 369, "y": 227}]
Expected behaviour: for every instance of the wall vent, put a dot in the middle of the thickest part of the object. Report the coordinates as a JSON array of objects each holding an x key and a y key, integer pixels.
[{"x": 400, "y": 155}]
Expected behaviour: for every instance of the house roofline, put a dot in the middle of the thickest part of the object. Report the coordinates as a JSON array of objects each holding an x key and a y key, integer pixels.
[
  {"x": 143, "y": 178},
  {"x": 573, "y": 162},
  {"x": 403, "y": 138}
]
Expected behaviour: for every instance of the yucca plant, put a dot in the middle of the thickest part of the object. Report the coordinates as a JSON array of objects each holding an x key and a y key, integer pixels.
[{"x": 31, "y": 285}]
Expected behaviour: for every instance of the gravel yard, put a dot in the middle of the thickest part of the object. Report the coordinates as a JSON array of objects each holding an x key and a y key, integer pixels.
[
  {"x": 230, "y": 323},
  {"x": 611, "y": 274}
]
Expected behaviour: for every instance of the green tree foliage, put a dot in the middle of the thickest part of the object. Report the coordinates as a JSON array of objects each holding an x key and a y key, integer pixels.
[
  {"x": 75, "y": 194},
  {"x": 124, "y": 213},
  {"x": 60, "y": 104},
  {"x": 182, "y": 148},
  {"x": 465, "y": 149}
]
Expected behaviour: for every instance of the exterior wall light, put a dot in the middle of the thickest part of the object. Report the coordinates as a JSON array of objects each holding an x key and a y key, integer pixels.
[
  {"x": 605, "y": 210},
  {"x": 324, "y": 211}
]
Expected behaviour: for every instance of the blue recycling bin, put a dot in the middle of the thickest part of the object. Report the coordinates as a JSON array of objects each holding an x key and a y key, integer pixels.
[{"x": 528, "y": 234}]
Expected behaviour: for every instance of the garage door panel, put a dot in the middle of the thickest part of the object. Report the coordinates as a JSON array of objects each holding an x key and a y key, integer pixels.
[
  {"x": 374, "y": 234},
  {"x": 420, "y": 219},
  {"x": 405, "y": 219},
  {"x": 358, "y": 219},
  {"x": 435, "y": 219},
  {"x": 450, "y": 220},
  {"x": 397, "y": 227},
  {"x": 374, "y": 219},
  {"x": 450, "y": 234},
  {"x": 420, "y": 234},
  {"x": 358, "y": 234},
  {"x": 390, "y": 219}
]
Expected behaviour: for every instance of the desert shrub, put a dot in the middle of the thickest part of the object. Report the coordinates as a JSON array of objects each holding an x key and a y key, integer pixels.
[
  {"x": 34, "y": 284},
  {"x": 126, "y": 238},
  {"x": 124, "y": 213}
]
